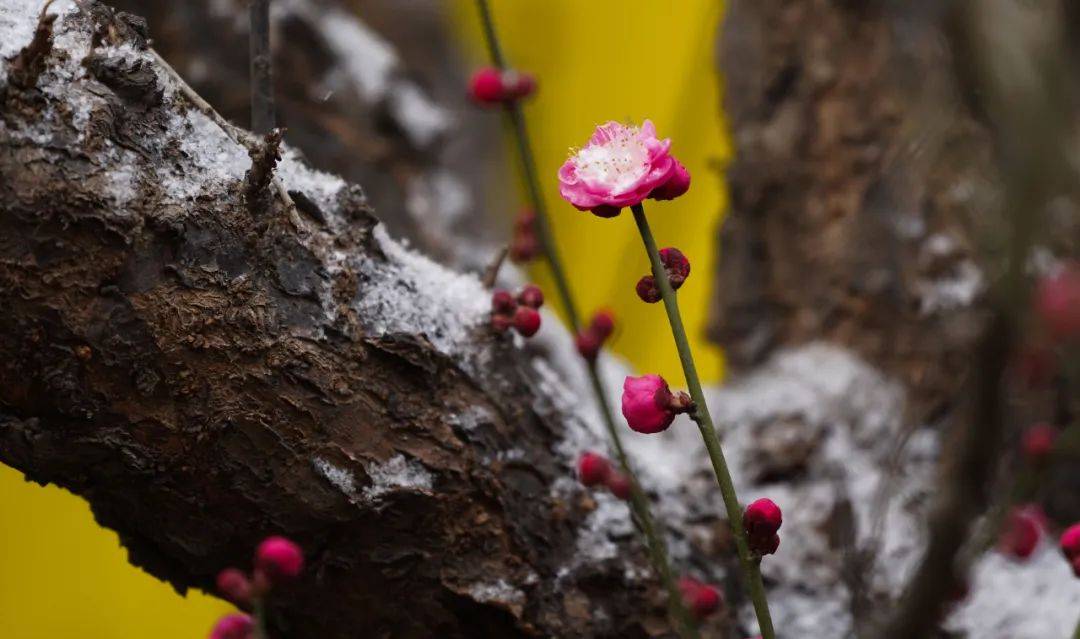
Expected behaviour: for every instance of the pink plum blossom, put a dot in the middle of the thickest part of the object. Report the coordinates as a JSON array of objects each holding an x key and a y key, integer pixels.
[{"x": 620, "y": 166}]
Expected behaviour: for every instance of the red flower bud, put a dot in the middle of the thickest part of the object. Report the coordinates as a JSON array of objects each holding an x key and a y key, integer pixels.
[
  {"x": 531, "y": 295},
  {"x": 619, "y": 485},
  {"x": 502, "y": 302},
  {"x": 524, "y": 248},
  {"x": 234, "y": 586},
  {"x": 525, "y": 220},
  {"x": 526, "y": 321},
  {"x": 763, "y": 544},
  {"x": 233, "y": 626},
  {"x": 1070, "y": 542},
  {"x": 605, "y": 210},
  {"x": 603, "y": 324},
  {"x": 647, "y": 290},
  {"x": 501, "y": 323},
  {"x": 701, "y": 599},
  {"x": 762, "y": 518},
  {"x": 1057, "y": 301},
  {"x": 1038, "y": 443},
  {"x": 676, "y": 265},
  {"x": 593, "y": 469},
  {"x": 519, "y": 84},
  {"x": 486, "y": 87},
  {"x": 588, "y": 344},
  {"x": 647, "y": 404},
  {"x": 279, "y": 558},
  {"x": 1021, "y": 533}
]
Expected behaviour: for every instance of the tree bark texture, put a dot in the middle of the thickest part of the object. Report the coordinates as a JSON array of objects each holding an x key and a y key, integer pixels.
[
  {"x": 857, "y": 188},
  {"x": 207, "y": 368},
  {"x": 366, "y": 89}
]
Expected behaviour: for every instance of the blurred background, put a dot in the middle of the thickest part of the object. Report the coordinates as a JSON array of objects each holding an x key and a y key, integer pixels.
[{"x": 63, "y": 576}]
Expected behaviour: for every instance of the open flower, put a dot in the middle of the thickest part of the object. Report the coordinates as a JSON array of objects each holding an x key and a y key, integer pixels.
[{"x": 620, "y": 166}]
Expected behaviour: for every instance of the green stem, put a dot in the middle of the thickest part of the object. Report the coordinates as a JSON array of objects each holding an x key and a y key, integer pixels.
[
  {"x": 750, "y": 565},
  {"x": 1076, "y": 633},
  {"x": 259, "y": 613},
  {"x": 639, "y": 503}
]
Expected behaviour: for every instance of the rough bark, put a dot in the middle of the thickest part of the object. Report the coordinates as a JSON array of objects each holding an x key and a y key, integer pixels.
[
  {"x": 858, "y": 181},
  {"x": 206, "y": 368}
]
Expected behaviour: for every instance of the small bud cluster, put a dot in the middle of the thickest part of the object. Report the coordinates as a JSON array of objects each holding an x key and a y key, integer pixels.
[
  {"x": 677, "y": 268},
  {"x": 761, "y": 521},
  {"x": 596, "y": 470},
  {"x": 490, "y": 86},
  {"x": 277, "y": 560},
  {"x": 589, "y": 340},
  {"x": 519, "y": 312},
  {"x": 525, "y": 245},
  {"x": 701, "y": 599},
  {"x": 649, "y": 406}
]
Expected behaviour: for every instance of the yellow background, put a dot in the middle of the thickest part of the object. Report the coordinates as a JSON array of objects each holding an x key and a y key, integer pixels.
[{"x": 62, "y": 576}]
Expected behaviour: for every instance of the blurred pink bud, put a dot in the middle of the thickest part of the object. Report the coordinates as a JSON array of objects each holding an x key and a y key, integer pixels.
[
  {"x": 486, "y": 87},
  {"x": 701, "y": 599},
  {"x": 619, "y": 485},
  {"x": 677, "y": 184},
  {"x": 1057, "y": 301},
  {"x": 234, "y": 586},
  {"x": 1038, "y": 443},
  {"x": 593, "y": 469},
  {"x": 646, "y": 404},
  {"x": 233, "y": 626},
  {"x": 279, "y": 558}
]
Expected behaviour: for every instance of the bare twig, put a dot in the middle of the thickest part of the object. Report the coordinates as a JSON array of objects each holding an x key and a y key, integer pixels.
[
  {"x": 238, "y": 135},
  {"x": 262, "y": 77},
  {"x": 492, "y": 272},
  {"x": 264, "y": 158},
  {"x": 28, "y": 64}
]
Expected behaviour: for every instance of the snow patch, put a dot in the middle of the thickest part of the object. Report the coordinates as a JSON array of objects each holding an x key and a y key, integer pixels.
[
  {"x": 496, "y": 592},
  {"x": 341, "y": 478},
  {"x": 397, "y": 473}
]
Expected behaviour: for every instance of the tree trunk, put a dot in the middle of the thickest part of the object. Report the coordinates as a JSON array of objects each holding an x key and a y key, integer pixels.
[{"x": 211, "y": 349}]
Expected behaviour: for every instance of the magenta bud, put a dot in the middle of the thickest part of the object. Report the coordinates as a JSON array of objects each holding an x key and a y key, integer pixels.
[
  {"x": 526, "y": 321},
  {"x": 593, "y": 469},
  {"x": 279, "y": 559},
  {"x": 234, "y": 586},
  {"x": 530, "y": 295},
  {"x": 647, "y": 290}
]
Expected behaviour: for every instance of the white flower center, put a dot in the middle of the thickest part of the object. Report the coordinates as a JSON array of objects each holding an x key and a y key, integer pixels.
[{"x": 618, "y": 163}]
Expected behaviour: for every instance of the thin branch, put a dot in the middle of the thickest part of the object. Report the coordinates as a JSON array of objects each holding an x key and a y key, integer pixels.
[{"x": 262, "y": 67}]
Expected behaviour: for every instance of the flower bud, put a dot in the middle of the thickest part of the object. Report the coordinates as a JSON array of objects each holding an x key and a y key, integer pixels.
[
  {"x": 619, "y": 485},
  {"x": 233, "y": 626},
  {"x": 234, "y": 586},
  {"x": 676, "y": 265},
  {"x": 279, "y": 559},
  {"x": 588, "y": 344},
  {"x": 647, "y": 290},
  {"x": 593, "y": 469},
  {"x": 486, "y": 87},
  {"x": 1070, "y": 542},
  {"x": 526, "y": 321},
  {"x": 762, "y": 518},
  {"x": 646, "y": 404},
  {"x": 1038, "y": 443},
  {"x": 603, "y": 324},
  {"x": 519, "y": 84},
  {"x": 501, "y": 323},
  {"x": 531, "y": 296},
  {"x": 502, "y": 302},
  {"x": 1057, "y": 301},
  {"x": 1021, "y": 532},
  {"x": 700, "y": 598}
]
